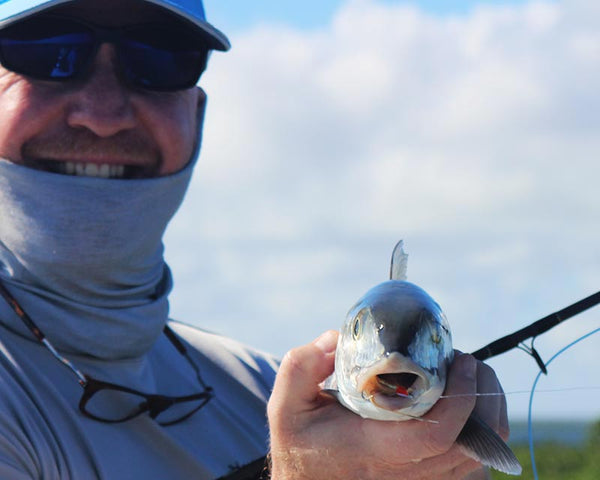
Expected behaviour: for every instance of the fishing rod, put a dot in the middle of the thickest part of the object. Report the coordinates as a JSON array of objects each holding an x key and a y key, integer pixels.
[{"x": 514, "y": 340}]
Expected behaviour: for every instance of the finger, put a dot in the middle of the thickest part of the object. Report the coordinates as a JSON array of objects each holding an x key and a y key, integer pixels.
[
  {"x": 491, "y": 409},
  {"x": 504, "y": 429},
  {"x": 302, "y": 369},
  {"x": 488, "y": 407},
  {"x": 452, "y": 413},
  {"x": 453, "y": 465},
  {"x": 472, "y": 471}
]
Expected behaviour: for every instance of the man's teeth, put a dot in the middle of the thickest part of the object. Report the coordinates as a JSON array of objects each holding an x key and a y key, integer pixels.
[{"x": 93, "y": 170}]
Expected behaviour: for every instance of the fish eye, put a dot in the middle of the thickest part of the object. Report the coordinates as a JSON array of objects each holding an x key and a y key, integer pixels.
[{"x": 357, "y": 327}]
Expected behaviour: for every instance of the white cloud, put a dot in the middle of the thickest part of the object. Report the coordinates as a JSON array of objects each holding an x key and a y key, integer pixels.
[{"x": 473, "y": 137}]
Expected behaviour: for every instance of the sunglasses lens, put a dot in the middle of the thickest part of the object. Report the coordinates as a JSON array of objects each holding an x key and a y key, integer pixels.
[
  {"x": 46, "y": 49},
  {"x": 153, "y": 57},
  {"x": 162, "y": 59}
]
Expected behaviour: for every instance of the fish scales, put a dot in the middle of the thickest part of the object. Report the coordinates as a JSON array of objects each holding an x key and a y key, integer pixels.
[{"x": 392, "y": 359}]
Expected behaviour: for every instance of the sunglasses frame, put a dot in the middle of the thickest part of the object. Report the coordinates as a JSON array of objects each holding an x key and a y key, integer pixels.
[{"x": 154, "y": 404}]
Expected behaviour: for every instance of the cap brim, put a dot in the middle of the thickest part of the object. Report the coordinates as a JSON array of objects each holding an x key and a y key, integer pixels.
[
  {"x": 10, "y": 13},
  {"x": 215, "y": 38}
]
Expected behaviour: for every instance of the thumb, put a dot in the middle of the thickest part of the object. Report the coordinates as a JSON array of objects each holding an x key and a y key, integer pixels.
[{"x": 302, "y": 369}]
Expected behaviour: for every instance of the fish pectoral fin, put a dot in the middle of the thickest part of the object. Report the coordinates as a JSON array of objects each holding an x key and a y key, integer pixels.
[
  {"x": 330, "y": 387},
  {"x": 334, "y": 393},
  {"x": 481, "y": 443},
  {"x": 330, "y": 383}
]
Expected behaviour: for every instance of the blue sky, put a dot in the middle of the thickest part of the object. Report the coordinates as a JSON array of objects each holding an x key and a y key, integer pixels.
[
  {"x": 233, "y": 15},
  {"x": 330, "y": 136}
]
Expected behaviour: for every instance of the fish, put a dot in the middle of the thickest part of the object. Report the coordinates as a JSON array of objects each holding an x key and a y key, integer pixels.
[{"x": 392, "y": 359}]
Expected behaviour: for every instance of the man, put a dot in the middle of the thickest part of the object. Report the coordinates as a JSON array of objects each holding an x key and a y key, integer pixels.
[{"x": 100, "y": 126}]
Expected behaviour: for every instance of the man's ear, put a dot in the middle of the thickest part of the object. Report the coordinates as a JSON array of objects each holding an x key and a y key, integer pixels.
[
  {"x": 200, "y": 111},
  {"x": 202, "y": 97}
]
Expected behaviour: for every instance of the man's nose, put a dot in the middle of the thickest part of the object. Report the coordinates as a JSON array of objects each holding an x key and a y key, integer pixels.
[{"x": 102, "y": 102}]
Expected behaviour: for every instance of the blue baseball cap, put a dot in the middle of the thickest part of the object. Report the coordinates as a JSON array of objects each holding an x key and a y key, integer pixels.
[{"x": 190, "y": 10}]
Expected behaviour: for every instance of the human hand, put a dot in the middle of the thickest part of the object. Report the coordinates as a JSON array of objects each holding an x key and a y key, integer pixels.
[{"x": 314, "y": 437}]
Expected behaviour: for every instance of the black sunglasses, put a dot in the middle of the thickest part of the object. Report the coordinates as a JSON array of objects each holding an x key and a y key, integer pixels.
[
  {"x": 151, "y": 56},
  {"x": 111, "y": 403}
]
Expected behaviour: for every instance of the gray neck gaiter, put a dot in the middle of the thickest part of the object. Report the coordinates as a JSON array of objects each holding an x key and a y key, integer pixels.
[{"x": 84, "y": 257}]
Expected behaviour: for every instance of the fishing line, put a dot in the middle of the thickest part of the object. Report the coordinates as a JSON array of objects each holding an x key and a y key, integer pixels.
[
  {"x": 516, "y": 392},
  {"x": 529, "y": 419}
]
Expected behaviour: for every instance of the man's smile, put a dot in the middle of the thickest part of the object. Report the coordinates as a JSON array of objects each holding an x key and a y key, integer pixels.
[
  {"x": 127, "y": 155},
  {"x": 93, "y": 169}
]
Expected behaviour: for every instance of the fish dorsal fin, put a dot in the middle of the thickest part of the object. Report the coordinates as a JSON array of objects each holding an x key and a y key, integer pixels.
[{"x": 399, "y": 262}]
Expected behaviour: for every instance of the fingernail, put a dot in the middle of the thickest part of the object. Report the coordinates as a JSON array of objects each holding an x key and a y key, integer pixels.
[{"x": 327, "y": 341}]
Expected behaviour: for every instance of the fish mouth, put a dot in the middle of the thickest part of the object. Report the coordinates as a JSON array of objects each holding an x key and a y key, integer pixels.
[{"x": 394, "y": 383}]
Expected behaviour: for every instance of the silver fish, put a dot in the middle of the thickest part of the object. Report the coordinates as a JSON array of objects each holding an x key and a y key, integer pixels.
[{"x": 392, "y": 359}]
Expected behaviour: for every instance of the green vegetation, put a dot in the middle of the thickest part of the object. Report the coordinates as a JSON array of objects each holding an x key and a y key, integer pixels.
[{"x": 555, "y": 461}]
